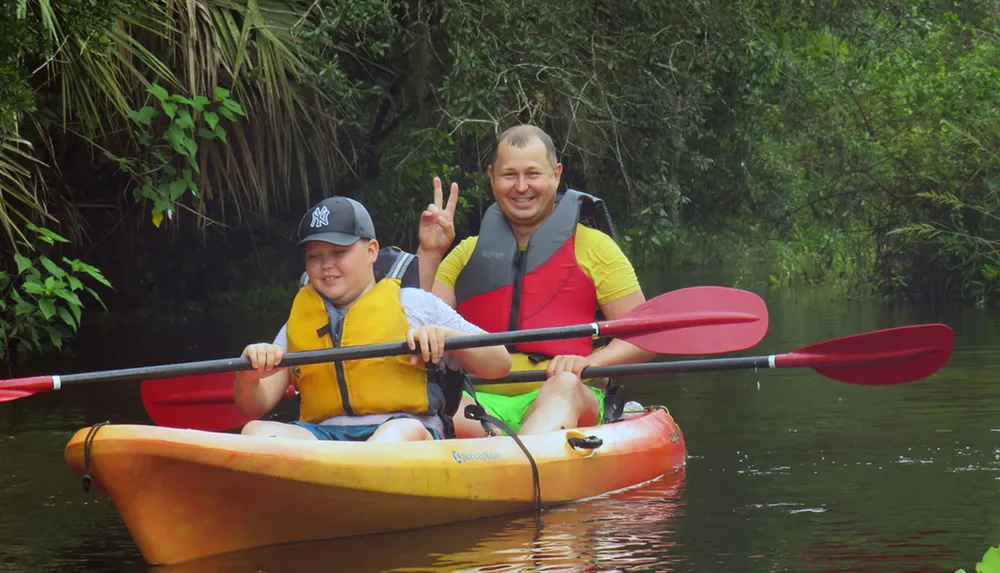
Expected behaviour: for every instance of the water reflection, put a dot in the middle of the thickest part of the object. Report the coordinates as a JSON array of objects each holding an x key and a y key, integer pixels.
[{"x": 631, "y": 530}]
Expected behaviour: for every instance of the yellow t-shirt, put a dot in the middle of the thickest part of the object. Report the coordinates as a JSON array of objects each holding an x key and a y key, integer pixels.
[{"x": 597, "y": 254}]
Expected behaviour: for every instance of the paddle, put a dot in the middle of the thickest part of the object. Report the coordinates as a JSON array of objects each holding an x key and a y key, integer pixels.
[
  {"x": 687, "y": 321},
  {"x": 879, "y": 358}
]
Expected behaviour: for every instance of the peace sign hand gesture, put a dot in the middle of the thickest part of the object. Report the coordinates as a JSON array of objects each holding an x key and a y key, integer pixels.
[{"x": 437, "y": 224}]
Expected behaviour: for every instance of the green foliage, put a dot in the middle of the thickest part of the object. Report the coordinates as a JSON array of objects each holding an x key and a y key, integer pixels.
[
  {"x": 40, "y": 303},
  {"x": 990, "y": 562},
  {"x": 168, "y": 161}
]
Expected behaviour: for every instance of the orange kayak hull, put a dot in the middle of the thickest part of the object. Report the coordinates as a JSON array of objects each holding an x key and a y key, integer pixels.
[{"x": 187, "y": 494}]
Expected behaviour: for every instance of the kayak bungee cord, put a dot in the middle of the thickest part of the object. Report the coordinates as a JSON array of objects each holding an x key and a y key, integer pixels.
[
  {"x": 477, "y": 412},
  {"x": 88, "y": 448}
]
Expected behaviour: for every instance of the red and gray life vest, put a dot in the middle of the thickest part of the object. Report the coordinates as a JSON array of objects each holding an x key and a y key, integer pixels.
[{"x": 504, "y": 288}]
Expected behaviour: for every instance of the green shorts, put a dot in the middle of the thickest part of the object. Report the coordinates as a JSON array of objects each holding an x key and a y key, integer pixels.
[{"x": 511, "y": 409}]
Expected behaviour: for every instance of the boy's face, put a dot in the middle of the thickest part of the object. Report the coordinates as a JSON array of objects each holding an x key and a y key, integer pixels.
[{"x": 341, "y": 274}]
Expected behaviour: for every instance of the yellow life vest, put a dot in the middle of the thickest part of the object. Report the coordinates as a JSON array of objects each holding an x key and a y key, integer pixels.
[{"x": 357, "y": 387}]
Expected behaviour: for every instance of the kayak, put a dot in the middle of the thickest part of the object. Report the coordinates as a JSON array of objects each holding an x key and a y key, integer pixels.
[
  {"x": 618, "y": 531},
  {"x": 187, "y": 494}
]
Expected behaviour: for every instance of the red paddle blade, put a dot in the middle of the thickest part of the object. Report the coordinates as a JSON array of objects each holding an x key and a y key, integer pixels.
[
  {"x": 23, "y": 387},
  {"x": 730, "y": 320},
  {"x": 204, "y": 402},
  {"x": 880, "y": 358}
]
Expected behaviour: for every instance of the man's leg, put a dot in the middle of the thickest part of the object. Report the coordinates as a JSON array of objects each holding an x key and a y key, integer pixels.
[
  {"x": 563, "y": 402},
  {"x": 464, "y": 427}
]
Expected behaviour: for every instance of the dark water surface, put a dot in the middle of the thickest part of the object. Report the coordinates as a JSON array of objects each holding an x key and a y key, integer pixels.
[{"x": 787, "y": 470}]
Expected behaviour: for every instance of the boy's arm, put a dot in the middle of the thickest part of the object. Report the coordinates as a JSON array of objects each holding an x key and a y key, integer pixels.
[
  {"x": 490, "y": 362},
  {"x": 257, "y": 391},
  {"x": 485, "y": 362}
]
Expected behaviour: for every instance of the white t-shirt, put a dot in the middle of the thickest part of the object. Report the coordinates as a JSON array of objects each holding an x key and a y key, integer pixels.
[{"x": 422, "y": 309}]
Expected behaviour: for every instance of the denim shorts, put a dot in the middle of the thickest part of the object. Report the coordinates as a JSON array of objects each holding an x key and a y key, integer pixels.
[{"x": 360, "y": 433}]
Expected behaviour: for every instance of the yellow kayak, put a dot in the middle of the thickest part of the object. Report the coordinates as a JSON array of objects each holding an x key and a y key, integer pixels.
[{"x": 188, "y": 494}]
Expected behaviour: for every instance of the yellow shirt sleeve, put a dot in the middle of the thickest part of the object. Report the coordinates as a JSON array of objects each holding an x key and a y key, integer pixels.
[
  {"x": 455, "y": 261},
  {"x": 605, "y": 263}
]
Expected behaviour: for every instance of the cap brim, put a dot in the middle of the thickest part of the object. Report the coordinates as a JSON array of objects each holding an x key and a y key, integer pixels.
[{"x": 339, "y": 239}]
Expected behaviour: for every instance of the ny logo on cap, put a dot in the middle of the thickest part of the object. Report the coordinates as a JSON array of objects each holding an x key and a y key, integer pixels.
[{"x": 321, "y": 217}]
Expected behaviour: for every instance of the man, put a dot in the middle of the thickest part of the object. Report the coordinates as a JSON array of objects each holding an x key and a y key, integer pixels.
[
  {"x": 379, "y": 399},
  {"x": 533, "y": 265}
]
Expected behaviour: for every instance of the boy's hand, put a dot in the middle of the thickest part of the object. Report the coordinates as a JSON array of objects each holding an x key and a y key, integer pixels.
[
  {"x": 430, "y": 340},
  {"x": 264, "y": 357}
]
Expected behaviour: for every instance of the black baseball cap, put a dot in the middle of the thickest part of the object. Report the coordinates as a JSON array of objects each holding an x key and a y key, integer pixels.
[{"x": 336, "y": 220}]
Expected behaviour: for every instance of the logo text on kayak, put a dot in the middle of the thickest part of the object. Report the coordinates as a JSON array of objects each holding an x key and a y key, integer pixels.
[{"x": 479, "y": 456}]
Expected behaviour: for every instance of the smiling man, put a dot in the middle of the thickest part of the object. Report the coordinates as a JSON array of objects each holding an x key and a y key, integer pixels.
[{"x": 533, "y": 265}]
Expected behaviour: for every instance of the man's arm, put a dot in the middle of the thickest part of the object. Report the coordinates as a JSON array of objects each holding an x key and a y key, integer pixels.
[
  {"x": 445, "y": 293},
  {"x": 618, "y": 351},
  {"x": 436, "y": 232},
  {"x": 619, "y": 291},
  {"x": 449, "y": 269},
  {"x": 428, "y": 263}
]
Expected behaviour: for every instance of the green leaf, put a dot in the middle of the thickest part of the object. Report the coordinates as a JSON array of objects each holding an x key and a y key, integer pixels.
[
  {"x": 169, "y": 108},
  {"x": 190, "y": 145},
  {"x": 67, "y": 318},
  {"x": 177, "y": 188},
  {"x": 144, "y": 116},
  {"x": 206, "y": 133},
  {"x": 221, "y": 93},
  {"x": 76, "y": 313},
  {"x": 53, "y": 284},
  {"x": 52, "y": 267},
  {"x": 74, "y": 283},
  {"x": 158, "y": 92},
  {"x": 48, "y": 307},
  {"x": 33, "y": 288},
  {"x": 990, "y": 562},
  {"x": 212, "y": 119},
  {"x": 226, "y": 114},
  {"x": 55, "y": 337},
  {"x": 53, "y": 235},
  {"x": 233, "y": 106},
  {"x": 22, "y": 308},
  {"x": 69, "y": 297},
  {"x": 23, "y": 262},
  {"x": 94, "y": 273},
  {"x": 184, "y": 119}
]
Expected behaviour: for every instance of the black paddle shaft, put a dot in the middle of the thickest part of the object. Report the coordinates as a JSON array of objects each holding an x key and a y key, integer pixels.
[
  {"x": 330, "y": 355},
  {"x": 645, "y": 369}
]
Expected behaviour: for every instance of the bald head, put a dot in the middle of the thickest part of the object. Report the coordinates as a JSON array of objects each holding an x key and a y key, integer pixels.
[{"x": 520, "y": 136}]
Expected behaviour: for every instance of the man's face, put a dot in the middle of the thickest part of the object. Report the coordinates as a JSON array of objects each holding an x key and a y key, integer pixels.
[
  {"x": 525, "y": 182},
  {"x": 341, "y": 274}
]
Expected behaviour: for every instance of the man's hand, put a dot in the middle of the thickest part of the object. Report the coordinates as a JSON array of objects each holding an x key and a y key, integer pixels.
[
  {"x": 437, "y": 222},
  {"x": 567, "y": 363}
]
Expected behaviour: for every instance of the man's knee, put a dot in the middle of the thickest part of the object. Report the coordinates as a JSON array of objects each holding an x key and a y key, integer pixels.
[{"x": 564, "y": 385}]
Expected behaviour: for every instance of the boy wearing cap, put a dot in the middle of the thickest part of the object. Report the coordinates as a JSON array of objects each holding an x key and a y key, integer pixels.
[{"x": 376, "y": 399}]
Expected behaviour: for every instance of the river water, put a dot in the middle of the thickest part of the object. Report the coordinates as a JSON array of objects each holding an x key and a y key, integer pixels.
[{"x": 787, "y": 470}]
